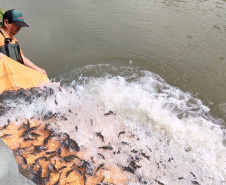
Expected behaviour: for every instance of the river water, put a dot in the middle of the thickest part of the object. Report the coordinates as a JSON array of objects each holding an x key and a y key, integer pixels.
[
  {"x": 160, "y": 65},
  {"x": 184, "y": 40}
]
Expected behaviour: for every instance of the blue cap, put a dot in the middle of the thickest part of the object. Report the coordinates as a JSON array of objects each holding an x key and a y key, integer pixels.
[{"x": 15, "y": 16}]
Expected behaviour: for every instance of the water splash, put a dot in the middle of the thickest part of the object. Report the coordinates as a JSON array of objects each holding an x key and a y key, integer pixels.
[{"x": 153, "y": 132}]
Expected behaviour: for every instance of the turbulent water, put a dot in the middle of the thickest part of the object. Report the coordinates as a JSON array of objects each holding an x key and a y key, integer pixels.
[{"x": 168, "y": 134}]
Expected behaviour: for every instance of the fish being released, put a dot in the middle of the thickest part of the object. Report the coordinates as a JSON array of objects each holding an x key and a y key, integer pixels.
[{"x": 51, "y": 159}]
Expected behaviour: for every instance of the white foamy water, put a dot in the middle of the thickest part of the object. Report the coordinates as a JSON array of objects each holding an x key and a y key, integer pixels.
[{"x": 165, "y": 135}]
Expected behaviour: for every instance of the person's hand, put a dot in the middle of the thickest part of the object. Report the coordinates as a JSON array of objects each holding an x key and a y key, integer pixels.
[
  {"x": 1, "y": 55},
  {"x": 42, "y": 71}
]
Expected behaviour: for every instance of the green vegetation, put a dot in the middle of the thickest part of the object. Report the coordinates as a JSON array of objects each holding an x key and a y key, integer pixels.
[{"x": 1, "y": 16}]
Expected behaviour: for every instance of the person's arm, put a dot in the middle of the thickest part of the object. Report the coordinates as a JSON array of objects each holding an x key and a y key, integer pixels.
[{"x": 28, "y": 63}]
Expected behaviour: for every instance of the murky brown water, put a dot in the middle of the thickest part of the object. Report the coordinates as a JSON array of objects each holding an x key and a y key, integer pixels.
[{"x": 184, "y": 41}]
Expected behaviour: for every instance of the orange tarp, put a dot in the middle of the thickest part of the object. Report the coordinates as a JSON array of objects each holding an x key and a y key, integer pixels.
[{"x": 14, "y": 76}]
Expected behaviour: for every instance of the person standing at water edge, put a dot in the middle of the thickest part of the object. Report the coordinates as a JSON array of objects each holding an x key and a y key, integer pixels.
[{"x": 12, "y": 22}]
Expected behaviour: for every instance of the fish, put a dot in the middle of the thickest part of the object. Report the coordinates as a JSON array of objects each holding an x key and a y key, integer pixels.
[
  {"x": 122, "y": 132},
  {"x": 51, "y": 156},
  {"x": 147, "y": 157},
  {"x": 48, "y": 92},
  {"x": 125, "y": 143},
  {"x": 4, "y": 127},
  {"x": 79, "y": 171},
  {"x": 109, "y": 113},
  {"x": 59, "y": 152},
  {"x": 68, "y": 172},
  {"x": 5, "y": 135},
  {"x": 29, "y": 139},
  {"x": 19, "y": 150},
  {"x": 106, "y": 147},
  {"x": 91, "y": 122},
  {"x": 84, "y": 177},
  {"x": 118, "y": 152},
  {"x": 61, "y": 168},
  {"x": 51, "y": 152},
  {"x": 133, "y": 165},
  {"x": 101, "y": 156},
  {"x": 100, "y": 136},
  {"x": 195, "y": 182},
  {"x": 128, "y": 169},
  {"x": 24, "y": 159},
  {"x": 26, "y": 126},
  {"x": 71, "y": 144},
  {"x": 28, "y": 130},
  {"x": 141, "y": 180},
  {"x": 39, "y": 149},
  {"x": 52, "y": 167},
  {"x": 99, "y": 167},
  {"x": 47, "y": 138},
  {"x": 217, "y": 27},
  {"x": 41, "y": 158},
  {"x": 88, "y": 167},
  {"x": 76, "y": 128},
  {"x": 49, "y": 115},
  {"x": 33, "y": 134},
  {"x": 63, "y": 118},
  {"x": 59, "y": 88},
  {"x": 158, "y": 182},
  {"x": 46, "y": 126},
  {"x": 134, "y": 151},
  {"x": 102, "y": 180},
  {"x": 195, "y": 179},
  {"x": 66, "y": 135},
  {"x": 70, "y": 157}
]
